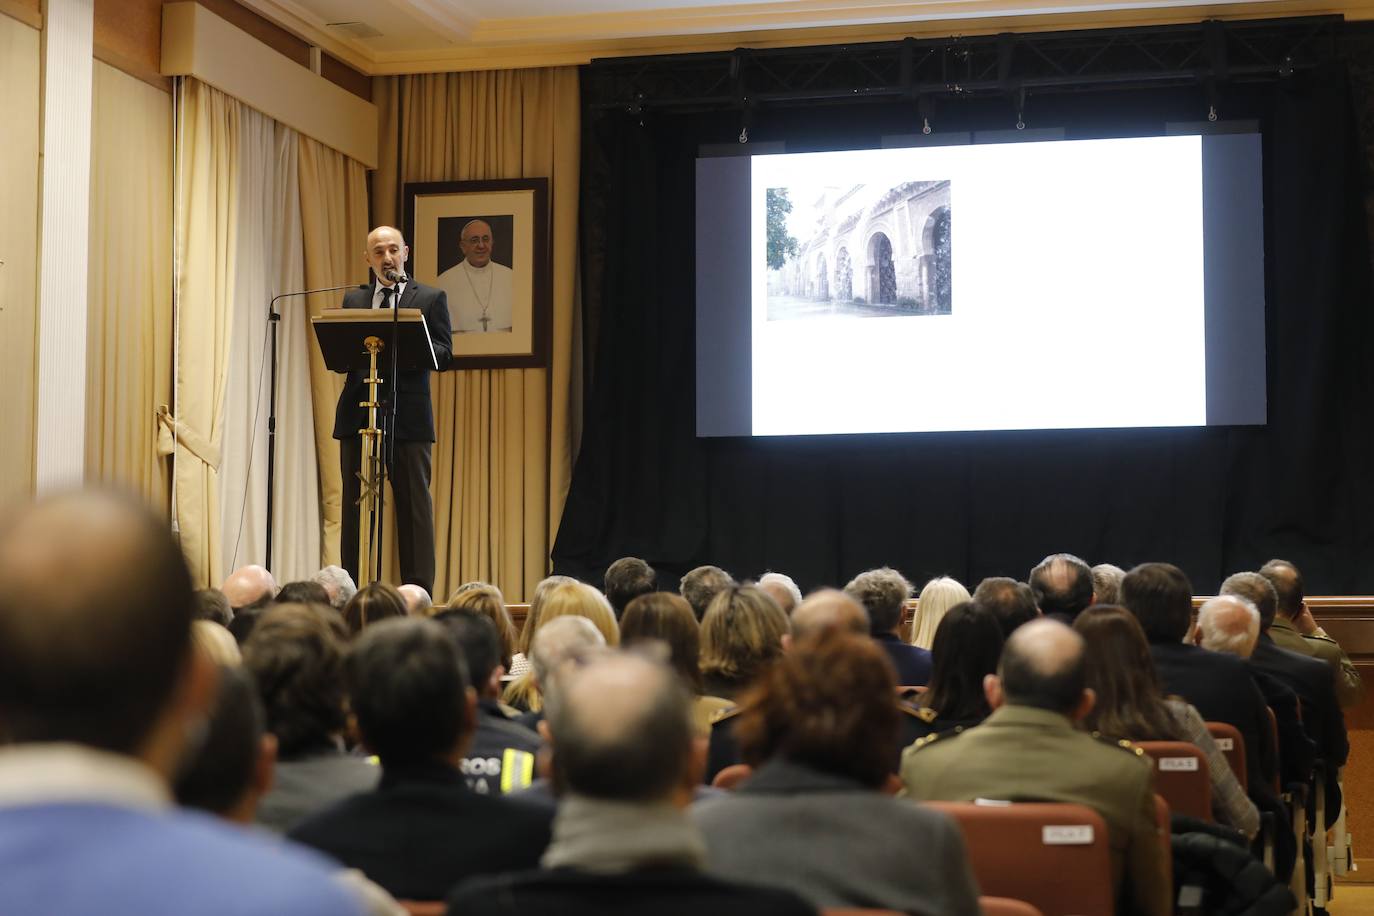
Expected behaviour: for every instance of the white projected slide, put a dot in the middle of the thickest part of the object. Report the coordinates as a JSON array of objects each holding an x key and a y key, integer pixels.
[{"x": 1014, "y": 286}]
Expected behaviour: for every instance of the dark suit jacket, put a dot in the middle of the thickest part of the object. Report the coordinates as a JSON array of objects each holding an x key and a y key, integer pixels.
[
  {"x": 423, "y": 831},
  {"x": 1221, "y": 688},
  {"x": 661, "y": 891},
  {"x": 912, "y": 662},
  {"x": 1311, "y": 679},
  {"x": 414, "y": 413}
]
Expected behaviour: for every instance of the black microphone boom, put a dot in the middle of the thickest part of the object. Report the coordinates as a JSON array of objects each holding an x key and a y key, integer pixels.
[{"x": 274, "y": 318}]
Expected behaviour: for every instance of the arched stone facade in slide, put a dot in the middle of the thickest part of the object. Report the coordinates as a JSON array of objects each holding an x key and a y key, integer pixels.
[{"x": 894, "y": 252}]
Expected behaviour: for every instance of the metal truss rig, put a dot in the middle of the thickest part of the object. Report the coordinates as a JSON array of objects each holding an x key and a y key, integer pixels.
[{"x": 1007, "y": 64}]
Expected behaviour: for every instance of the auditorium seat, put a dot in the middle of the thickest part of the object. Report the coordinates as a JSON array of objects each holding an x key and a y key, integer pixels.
[
  {"x": 1181, "y": 776},
  {"x": 1231, "y": 743},
  {"x": 732, "y": 776},
  {"x": 423, "y": 907},
  {"x": 1005, "y": 906},
  {"x": 1053, "y": 856}
]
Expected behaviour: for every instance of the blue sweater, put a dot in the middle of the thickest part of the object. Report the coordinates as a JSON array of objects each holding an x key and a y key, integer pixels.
[{"x": 84, "y": 858}]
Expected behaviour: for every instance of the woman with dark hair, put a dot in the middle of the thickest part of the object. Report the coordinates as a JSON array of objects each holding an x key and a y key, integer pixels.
[
  {"x": 817, "y": 727},
  {"x": 1130, "y": 704},
  {"x": 967, "y": 644},
  {"x": 667, "y": 619},
  {"x": 373, "y": 603}
]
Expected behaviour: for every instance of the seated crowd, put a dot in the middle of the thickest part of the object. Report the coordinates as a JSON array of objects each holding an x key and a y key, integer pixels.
[{"x": 732, "y": 747}]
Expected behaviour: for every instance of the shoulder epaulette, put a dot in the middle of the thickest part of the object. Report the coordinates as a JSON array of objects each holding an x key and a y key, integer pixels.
[
  {"x": 927, "y": 715},
  {"x": 724, "y": 714},
  {"x": 927, "y": 741},
  {"x": 1121, "y": 743}
]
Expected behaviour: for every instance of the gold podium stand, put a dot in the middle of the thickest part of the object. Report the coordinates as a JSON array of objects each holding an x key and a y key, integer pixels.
[{"x": 352, "y": 340}]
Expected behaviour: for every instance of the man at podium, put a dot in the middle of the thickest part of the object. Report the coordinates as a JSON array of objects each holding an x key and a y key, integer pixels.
[{"x": 413, "y": 436}]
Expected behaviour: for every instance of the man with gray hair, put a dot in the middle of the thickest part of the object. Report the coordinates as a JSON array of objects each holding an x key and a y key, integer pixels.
[
  {"x": 561, "y": 640},
  {"x": 883, "y": 593},
  {"x": 338, "y": 584},
  {"x": 701, "y": 585},
  {"x": 781, "y": 589},
  {"x": 1229, "y": 624},
  {"x": 624, "y": 754},
  {"x": 1107, "y": 583}
]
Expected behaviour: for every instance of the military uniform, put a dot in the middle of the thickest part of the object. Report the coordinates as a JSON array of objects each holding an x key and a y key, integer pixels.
[
  {"x": 1021, "y": 753},
  {"x": 1349, "y": 686},
  {"x": 502, "y": 755}
]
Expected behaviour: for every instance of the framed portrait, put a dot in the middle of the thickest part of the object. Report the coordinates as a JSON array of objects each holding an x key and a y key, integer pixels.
[{"x": 486, "y": 244}]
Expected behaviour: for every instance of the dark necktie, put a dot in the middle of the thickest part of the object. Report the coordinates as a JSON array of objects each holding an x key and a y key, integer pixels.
[{"x": 388, "y": 293}]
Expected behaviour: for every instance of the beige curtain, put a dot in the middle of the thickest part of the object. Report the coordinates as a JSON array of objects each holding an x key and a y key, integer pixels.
[
  {"x": 505, "y": 438},
  {"x": 262, "y": 211},
  {"x": 129, "y": 325},
  {"x": 207, "y": 249},
  {"x": 19, "y": 74},
  {"x": 333, "y": 202}
]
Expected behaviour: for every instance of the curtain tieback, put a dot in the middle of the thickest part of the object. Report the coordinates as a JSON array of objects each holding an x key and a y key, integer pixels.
[{"x": 185, "y": 436}]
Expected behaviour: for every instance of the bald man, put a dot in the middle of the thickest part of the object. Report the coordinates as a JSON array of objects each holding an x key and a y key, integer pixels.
[
  {"x": 102, "y": 696},
  {"x": 413, "y": 436},
  {"x": 479, "y": 289},
  {"x": 249, "y": 587},
  {"x": 1029, "y": 749},
  {"x": 827, "y": 608}
]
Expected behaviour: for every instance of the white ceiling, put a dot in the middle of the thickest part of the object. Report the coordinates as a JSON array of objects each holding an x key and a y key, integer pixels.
[{"x": 409, "y": 36}]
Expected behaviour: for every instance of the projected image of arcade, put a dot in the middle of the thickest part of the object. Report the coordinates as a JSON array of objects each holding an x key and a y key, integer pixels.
[{"x": 861, "y": 251}]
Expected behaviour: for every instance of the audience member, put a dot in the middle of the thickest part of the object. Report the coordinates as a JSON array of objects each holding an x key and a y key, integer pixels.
[
  {"x": 743, "y": 632},
  {"x": 1308, "y": 677},
  {"x": 232, "y": 769},
  {"x": 782, "y": 589},
  {"x": 373, "y": 602},
  {"x": 1129, "y": 704},
  {"x": 937, "y": 596},
  {"x": 338, "y": 584},
  {"x": 1029, "y": 748},
  {"x": 296, "y": 658},
  {"x": 418, "y": 601},
  {"x": 1012, "y": 603},
  {"x": 501, "y": 756},
  {"x": 217, "y": 643},
  {"x": 828, "y": 608},
  {"x": 627, "y": 579},
  {"x": 667, "y": 619},
  {"x": 1231, "y": 625},
  {"x": 1218, "y": 686},
  {"x": 520, "y": 660},
  {"x": 1294, "y": 629},
  {"x": 422, "y": 830},
  {"x": 563, "y": 639},
  {"x": 303, "y": 592},
  {"x": 703, "y": 584},
  {"x": 622, "y": 751},
  {"x": 248, "y": 588},
  {"x": 883, "y": 593},
  {"x": 1062, "y": 585},
  {"x": 488, "y": 601},
  {"x": 1107, "y": 583},
  {"x": 814, "y": 729},
  {"x": 569, "y": 599},
  {"x": 968, "y": 643},
  {"x": 101, "y": 693},
  {"x": 211, "y": 604}
]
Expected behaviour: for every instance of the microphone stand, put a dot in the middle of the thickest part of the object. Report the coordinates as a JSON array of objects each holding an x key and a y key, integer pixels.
[
  {"x": 389, "y": 436},
  {"x": 274, "y": 319}
]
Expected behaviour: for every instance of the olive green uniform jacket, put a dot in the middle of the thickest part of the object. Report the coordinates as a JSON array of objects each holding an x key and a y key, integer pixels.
[
  {"x": 1025, "y": 754},
  {"x": 1349, "y": 686}
]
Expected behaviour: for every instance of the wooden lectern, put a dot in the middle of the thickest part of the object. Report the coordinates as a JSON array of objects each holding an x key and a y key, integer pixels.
[{"x": 352, "y": 339}]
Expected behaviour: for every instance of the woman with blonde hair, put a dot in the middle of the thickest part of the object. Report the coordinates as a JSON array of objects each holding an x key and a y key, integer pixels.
[
  {"x": 520, "y": 662},
  {"x": 488, "y": 601},
  {"x": 743, "y": 632},
  {"x": 937, "y": 596},
  {"x": 569, "y": 599}
]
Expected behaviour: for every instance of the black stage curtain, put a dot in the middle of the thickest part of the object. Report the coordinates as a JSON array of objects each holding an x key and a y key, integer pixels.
[{"x": 1212, "y": 500}]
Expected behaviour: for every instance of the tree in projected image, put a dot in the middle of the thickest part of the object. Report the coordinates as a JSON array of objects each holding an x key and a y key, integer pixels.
[{"x": 781, "y": 246}]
